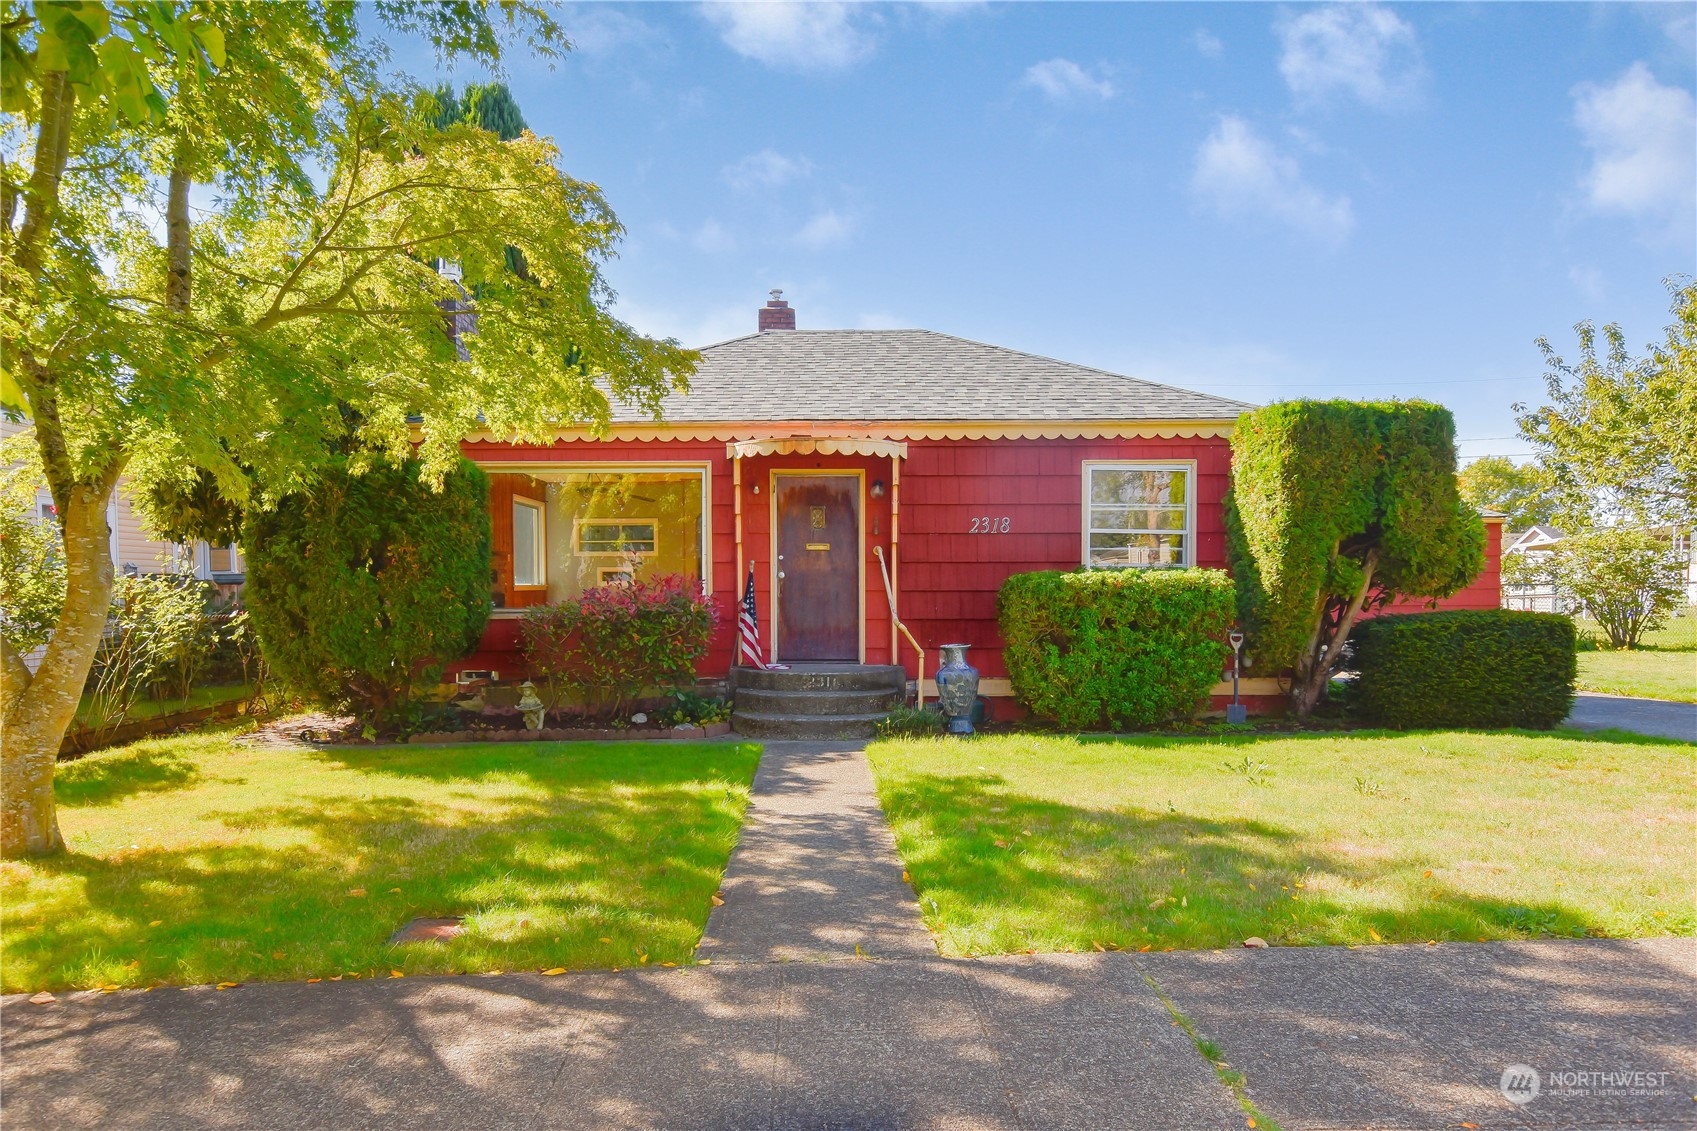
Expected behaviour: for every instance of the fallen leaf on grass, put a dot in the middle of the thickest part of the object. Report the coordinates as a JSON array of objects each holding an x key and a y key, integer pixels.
[
  {"x": 356, "y": 892},
  {"x": 42, "y": 998},
  {"x": 1374, "y": 935},
  {"x": 228, "y": 985},
  {"x": 718, "y": 900},
  {"x": 554, "y": 971},
  {"x": 132, "y": 964},
  {"x": 279, "y": 954},
  {"x": 1428, "y": 874},
  {"x": 335, "y": 977},
  {"x": 112, "y": 989},
  {"x": 1143, "y": 948},
  {"x": 906, "y": 879},
  {"x": 604, "y": 938},
  {"x": 394, "y": 891},
  {"x": 1471, "y": 1126},
  {"x": 309, "y": 981},
  {"x": 397, "y": 973},
  {"x": 1001, "y": 844},
  {"x": 1157, "y": 903},
  {"x": 704, "y": 962},
  {"x": 156, "y": 922},
  {"x": 1097, "y": 945}
]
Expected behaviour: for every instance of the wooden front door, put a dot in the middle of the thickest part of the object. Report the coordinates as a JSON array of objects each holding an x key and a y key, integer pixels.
[{"x": 818, "y": 560}]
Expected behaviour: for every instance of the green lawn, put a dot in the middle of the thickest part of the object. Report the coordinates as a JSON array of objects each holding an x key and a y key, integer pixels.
[
  {"x": 1650, "y": 675},
  {"x": 149, "y": 708},
  {"x": 197, "y": 859},
  {"x": 1047, "y": 843},
  {"x": 1678, "y": 634}
]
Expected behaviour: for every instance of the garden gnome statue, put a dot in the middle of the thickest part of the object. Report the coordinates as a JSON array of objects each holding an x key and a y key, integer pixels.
[
  {"x": 532, "y": 707},
  {"x": 957, "y": 688}
]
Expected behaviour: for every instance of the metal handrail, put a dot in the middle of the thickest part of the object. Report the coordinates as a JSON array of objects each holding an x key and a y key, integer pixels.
[{"x": 890, "y": 594}]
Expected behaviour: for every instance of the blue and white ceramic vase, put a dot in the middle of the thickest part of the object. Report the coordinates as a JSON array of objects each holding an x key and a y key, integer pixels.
[{"x": 957, "y": 688}]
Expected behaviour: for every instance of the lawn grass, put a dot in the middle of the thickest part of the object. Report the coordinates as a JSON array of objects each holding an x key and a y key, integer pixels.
[
  {"x": 1642, "y": 673},
  {"x": 197, "y": 859},
  {"x": 151, "y": 708},
  {"x": 1678, "y": 634},
  {"x": 1055, "y": 843}
]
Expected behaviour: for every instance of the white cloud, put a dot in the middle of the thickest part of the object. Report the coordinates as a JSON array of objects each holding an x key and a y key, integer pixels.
[
  {"x": 1643, "y": 142},
  {"x": 1240, "y": 173},
  {"x": 596, "y": 29},
  {"x": 828, "y": 229},
  {"x": 1062, "y": 80},
  {"x": 1208, "y": 43},
  {"x": 1363, "y": 49},
  {"x": 799, "y": 37},
  {"x": 766, "y": 169},
  {"x": 712, "y": 238}
]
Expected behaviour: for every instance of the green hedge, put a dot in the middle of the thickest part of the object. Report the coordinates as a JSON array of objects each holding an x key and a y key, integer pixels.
[
  {"x": 1117, "y": 648},
  {"x": 1480, "y": 668}
]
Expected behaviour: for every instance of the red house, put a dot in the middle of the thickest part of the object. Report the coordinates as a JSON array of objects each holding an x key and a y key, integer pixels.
[{"x": 828, "y": 460}]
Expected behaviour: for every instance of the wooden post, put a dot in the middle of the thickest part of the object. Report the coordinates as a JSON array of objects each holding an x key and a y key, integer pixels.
[
  {"x": 736, "y": 491},
  {"x": 895, "y": 539}
]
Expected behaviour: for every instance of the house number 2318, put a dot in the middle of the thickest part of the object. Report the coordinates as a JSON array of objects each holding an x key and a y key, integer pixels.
[{"x": 991, "y": 525}]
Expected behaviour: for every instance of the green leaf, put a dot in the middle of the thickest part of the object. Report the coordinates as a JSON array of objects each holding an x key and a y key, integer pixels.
[
  {"x": 94, "y": 18},
  {"x": 12, "y": 394},
  {"x": 212, "y": 39}
]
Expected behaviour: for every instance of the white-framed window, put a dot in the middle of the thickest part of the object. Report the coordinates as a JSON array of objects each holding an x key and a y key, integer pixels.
[
  {"x": 529, "y": 543},
  {"x": 626, "y": 536},
  {"x": 1139, "y": 514}
]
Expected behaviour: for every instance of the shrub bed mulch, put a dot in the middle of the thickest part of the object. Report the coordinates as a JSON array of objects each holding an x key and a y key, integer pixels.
[{"x": 344, "y": 730}]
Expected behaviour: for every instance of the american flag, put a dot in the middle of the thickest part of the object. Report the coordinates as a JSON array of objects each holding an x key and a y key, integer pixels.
[{"x": 748, "y": 625}]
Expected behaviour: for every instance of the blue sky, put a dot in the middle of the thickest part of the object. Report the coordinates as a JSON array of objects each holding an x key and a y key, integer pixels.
[{"x": 1259, "y": 200}]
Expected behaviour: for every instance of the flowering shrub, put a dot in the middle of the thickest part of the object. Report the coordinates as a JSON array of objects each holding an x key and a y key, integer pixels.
[{"x": 617, "y": 640}]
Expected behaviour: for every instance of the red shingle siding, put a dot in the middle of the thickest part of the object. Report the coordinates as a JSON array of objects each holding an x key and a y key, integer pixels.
[{"x": 947, "y": 577}]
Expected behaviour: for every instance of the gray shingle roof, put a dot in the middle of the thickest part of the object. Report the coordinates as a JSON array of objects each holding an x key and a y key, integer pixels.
[{"x": 913, "y": 375}]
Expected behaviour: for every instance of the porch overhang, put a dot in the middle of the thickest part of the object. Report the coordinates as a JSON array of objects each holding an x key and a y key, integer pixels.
[{"x": 816, "y": 445}]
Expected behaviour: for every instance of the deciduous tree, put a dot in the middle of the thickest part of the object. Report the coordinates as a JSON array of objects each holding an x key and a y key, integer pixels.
[
  {"x": 1523, "y": 493},
  {"x": 295, "y": 312},
  {"x": 1619, "y": 435}
]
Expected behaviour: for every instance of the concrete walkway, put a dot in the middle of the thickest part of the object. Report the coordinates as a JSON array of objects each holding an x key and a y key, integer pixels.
[
  {"x": 1659, "y": 718},
  {"x": 783, "y": 1031},
  {"x": 815, "y": 874}
]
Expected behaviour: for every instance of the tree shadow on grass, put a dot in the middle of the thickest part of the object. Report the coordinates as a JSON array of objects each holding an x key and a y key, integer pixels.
[
  {"x": 998, "y": 871},
  {"x": 307, "y": 888},
  {"x": 108, "y": 778}
]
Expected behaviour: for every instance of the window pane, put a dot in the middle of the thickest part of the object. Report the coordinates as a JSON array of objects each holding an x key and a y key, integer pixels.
[
  {"x": 608, "y": 527},
  {"x": 220, "y": 559},
  {"x": 1137, "y": 518},
  {"x": 616, "y": 538},
  {"x": 1136, "y": 485},
  {"x": 526, "y": 539},
  {"x": 1111, "y": 550}
]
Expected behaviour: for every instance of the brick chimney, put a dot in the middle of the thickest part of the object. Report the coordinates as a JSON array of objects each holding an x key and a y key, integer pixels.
[{"x": 776, "y": 314}]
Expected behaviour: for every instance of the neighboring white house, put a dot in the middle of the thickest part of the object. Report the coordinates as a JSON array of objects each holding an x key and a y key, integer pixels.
[
  {"x": 1536, "y": 544},
  {"x": 1540, "y": 541}
]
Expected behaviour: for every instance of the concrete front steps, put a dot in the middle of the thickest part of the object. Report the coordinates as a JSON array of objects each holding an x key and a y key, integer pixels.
[{"x": 815, "y": 700}]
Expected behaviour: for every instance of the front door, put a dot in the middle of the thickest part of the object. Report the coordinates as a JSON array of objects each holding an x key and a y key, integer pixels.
[{"x": 818, "y": 560}]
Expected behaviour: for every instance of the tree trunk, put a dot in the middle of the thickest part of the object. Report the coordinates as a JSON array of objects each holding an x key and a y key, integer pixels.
[
  {"x": 36, "y": 719},
  {"x": 1315, "y": 669},
  {"x": 177, "y": 274}
]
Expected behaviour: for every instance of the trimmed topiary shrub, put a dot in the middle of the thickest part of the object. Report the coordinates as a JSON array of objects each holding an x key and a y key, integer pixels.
[
  {"x": 1466, "y": 668},
  {"x": 1117, "y": 648},
  {"x": 1336, "y": 508},
  {"x": 370, "y": 583}
]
